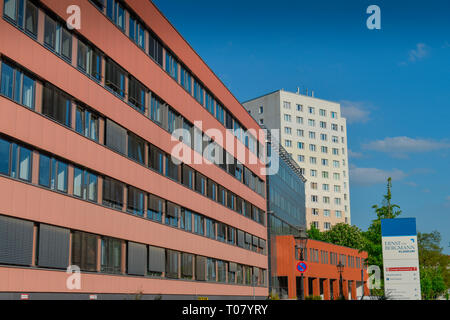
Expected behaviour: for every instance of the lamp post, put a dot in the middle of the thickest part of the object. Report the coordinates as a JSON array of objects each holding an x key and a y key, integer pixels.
[
  {"x": 340, "y": 268},
  {"x": 301, "y": 241}
]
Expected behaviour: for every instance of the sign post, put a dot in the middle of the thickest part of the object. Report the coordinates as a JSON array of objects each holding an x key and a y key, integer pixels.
[{"x": 400, "y": 259}]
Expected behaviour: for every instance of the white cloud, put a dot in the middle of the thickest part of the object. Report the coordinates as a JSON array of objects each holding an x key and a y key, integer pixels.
[
  {"x": 403, "y": 145},
  {"x": 354, "y": 154},
  {"x": 420, "y": 52},
  {"x": 371, "y": 176},
  {"x": 355, "y": 112}
]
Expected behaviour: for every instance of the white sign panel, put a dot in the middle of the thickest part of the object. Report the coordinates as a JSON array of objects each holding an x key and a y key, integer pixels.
[{"x": 400, "y": 259}]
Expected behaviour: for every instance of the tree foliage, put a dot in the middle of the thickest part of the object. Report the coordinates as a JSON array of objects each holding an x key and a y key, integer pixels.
[
  {"x": 372, "y": 237},
  {"x": 314, "y": 233},
  {"x": 340, "y": 234},
  {"x": 346, "y": 235},
  {"x": 434, "y": 273}
]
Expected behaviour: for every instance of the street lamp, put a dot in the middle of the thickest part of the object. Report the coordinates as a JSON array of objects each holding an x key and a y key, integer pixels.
[
  {"x": 340, "y": 268},
  {"x": 300, "y": 244}
]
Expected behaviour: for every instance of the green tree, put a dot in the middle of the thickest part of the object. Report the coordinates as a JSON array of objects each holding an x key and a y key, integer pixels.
[
  {"x": 434, "y": 274},
  {"x": 344, "y": 235},
  {"x": 372, "y": 237},
  {"x": 314, "y": 233}
]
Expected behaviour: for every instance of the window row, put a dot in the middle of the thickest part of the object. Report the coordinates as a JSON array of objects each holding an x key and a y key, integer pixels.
[
  {"x": 325, "y": 257},
  {"x": 57, "y": 248},
  {"x": 53, "y": 173},
  {"x": 19, "y": 85},
  {"x": 57, "y": 38}
]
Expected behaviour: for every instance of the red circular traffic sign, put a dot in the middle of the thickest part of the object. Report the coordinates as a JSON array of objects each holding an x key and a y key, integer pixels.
[{"x": 301, "y": 267}]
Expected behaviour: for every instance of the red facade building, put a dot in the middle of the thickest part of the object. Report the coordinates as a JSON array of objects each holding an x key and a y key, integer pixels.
[
  {"x": 86, "y": 176},
  {"x": 321, "y": 277}
]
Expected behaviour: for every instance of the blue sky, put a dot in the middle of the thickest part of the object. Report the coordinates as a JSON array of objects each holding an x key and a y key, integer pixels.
[{"x": 393, "y": 84}]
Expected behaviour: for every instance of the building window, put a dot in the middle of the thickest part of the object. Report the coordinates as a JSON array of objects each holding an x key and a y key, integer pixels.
[
  {"x": 200, "y": 183},
  {"x": 299, "y": 107},
  {"x": 171, "y": 66},
  {"x": 135, "y": 203},
  {"x": 338, "y": 214},
  {"x": 136, "y": 94},
  {"x": 186, "y": 80},
  {"x": 199, "y": 224},
  {"x": 300, "y": 133},
  {"x": 187, "y": 176},
  {"x": 221, "y": 231},
  {"x": 211, "y": 269},
  {"x": 85, "y": 184},
  {"x": 220, "y": 113},
  {"x": 17, "y": 85},
  {"x": 53, "y": 173},
  {"x": 325, "y": 174},
  {"x": 136, "y": 148},
  {"x": 311, "y": 110},
  {"x": 155, "y": 208},
  {"x": 113, "y": 193},
  {"x": 312, "y": 135},
  {"x": 210, "y": 228},
  {"x": 172, "y": 264},
  {"x": 286, "y": 105},
  {"x": 221, "y": 271},
  {"x": 325, "y": 162},
  {"x": 24, "y": 14},
  {"x": 116, "y": 137},
  {"x": 155, "y": 49},
  {"x": 312, "y": 147},
  {"x": 172, "y": 214},
  {"x": 186, "y": 220},
  {"x": 58, "y": 38},
  {"x": 199, "y": 92},
  {"x": 326, "y": 213},
  {"x": 56, "y": 105},
  {"x": 212, "y": 190},
  {"x": 116, "y": 13},
  {"x": 187, "y": 270},
  {"x": 84, "y": 251},
  {"x": 115, "y": 78},
  {"x": 323, "y": 137},
  {"x": 311, "y": 122},
  {"x": 301, "y": 158},
  {"x": 89, "y": 60},
  {"x": 157, "y": 261},
  {"x": 287, "y": 130},
  {"x": 315, "y": 212},
  {"x": 111, "y": 255},
  {"x": 137, "y": 32},
  {"x": 156, "y": 159},
  {"x": 86, "y": 123},
  {"x": 287, "y": 143},
  {"x": 314, "y": 198},
  {"x": 334, "y": 115},
  {"x": 16, "y": 161}
]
